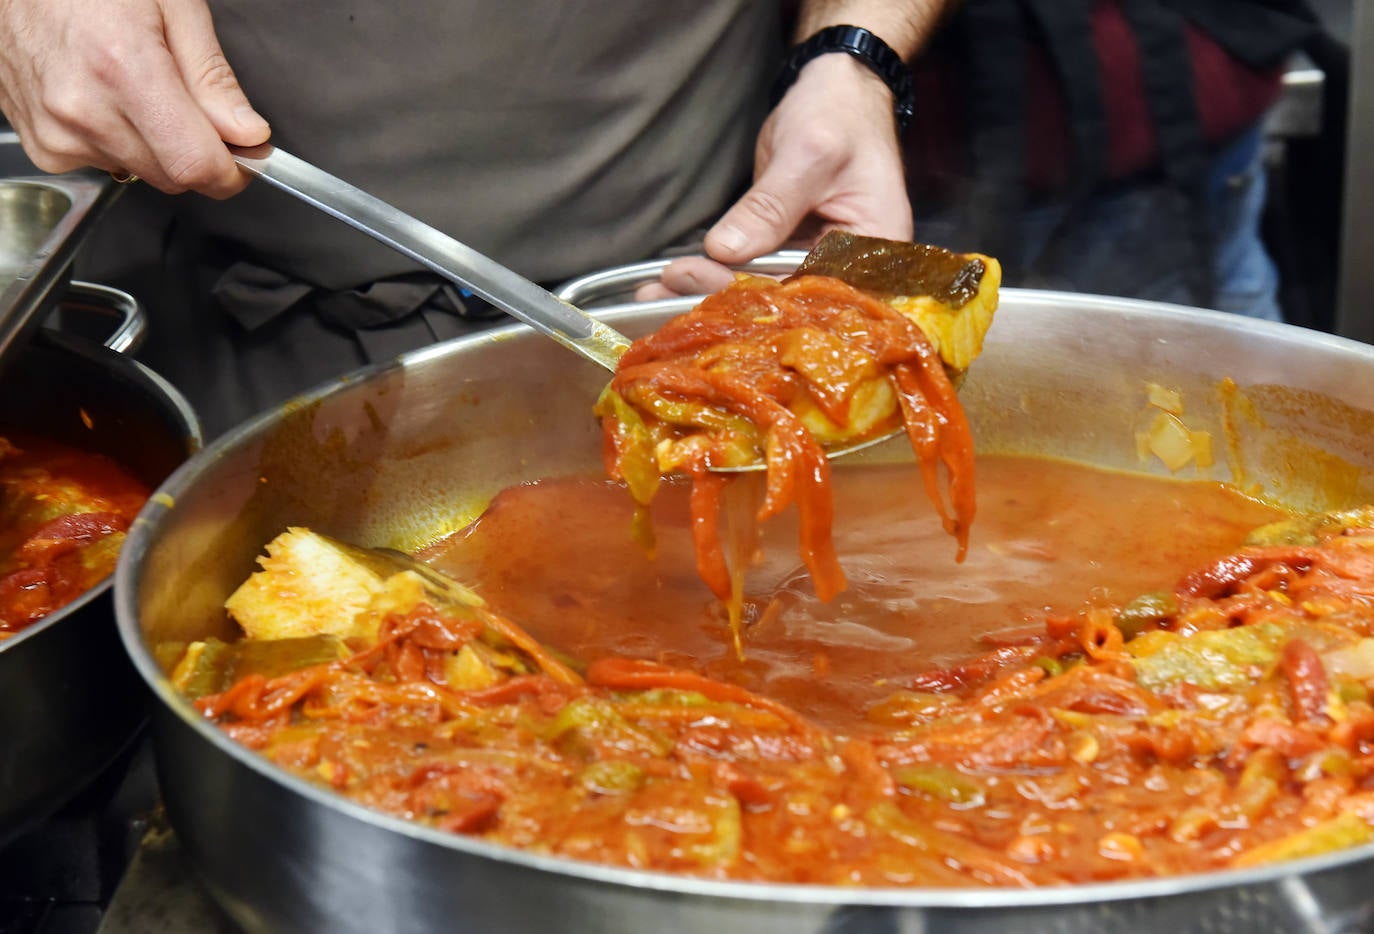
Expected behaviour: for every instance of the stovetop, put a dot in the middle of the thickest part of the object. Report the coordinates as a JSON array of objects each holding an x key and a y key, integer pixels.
[{"x": 107, "y": 863}]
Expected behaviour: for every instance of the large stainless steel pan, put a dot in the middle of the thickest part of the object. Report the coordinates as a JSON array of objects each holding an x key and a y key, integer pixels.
[{"x": 399, "y": 454}]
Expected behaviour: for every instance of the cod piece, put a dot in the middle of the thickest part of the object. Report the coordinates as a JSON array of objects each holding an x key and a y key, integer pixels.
[
  {"x": 311, "y": 585},
  {"x": 316, "y": 598},
  {"x": 868, "y": 337},
  {"x": 951, "y": 296}
]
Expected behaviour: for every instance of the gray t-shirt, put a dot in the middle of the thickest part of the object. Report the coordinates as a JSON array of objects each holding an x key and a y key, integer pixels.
[{"x": 557, "y": 136}]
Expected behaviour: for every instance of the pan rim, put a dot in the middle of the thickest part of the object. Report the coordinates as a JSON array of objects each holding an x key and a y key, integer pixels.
[{"x": 127, "y": 580}]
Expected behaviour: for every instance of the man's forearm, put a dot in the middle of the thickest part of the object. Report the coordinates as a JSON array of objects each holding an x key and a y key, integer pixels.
[{"x": 903, "y": 24}]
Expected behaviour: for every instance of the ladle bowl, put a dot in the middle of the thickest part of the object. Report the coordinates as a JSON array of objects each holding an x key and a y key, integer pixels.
[{"x": 502, "y": 287}]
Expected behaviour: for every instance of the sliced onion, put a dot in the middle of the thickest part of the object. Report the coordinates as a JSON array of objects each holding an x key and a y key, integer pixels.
[
  {"x": 1353, "y": 661},
  {"x": 1170, "y": 400},
  {"x": 1171, "y": 441}
]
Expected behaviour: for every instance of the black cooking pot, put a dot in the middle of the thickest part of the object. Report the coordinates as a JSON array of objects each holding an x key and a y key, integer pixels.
[{"x": 69, "y": 700}]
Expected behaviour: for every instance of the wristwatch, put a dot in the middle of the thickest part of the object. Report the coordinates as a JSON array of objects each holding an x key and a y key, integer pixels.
[{"x": 867, "y": 48}]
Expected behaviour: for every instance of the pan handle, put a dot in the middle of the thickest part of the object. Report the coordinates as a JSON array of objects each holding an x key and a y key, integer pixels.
[
  {"x": 617, "y": 284},
  {"x": 131, "y": 318}
]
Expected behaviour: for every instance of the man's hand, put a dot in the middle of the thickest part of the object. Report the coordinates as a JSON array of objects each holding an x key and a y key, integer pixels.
[
  {"x": 827, "y": 157},
  {"x": 128, "y": 86}
]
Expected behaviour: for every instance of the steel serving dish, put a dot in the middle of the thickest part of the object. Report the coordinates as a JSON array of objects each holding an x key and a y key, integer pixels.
[
  {"x": 43, "y": 220},
  {"x": 399, "y": 454}
]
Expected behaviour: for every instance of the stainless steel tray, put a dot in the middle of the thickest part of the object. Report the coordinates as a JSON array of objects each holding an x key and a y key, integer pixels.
[{"x": 43, "y": 219}]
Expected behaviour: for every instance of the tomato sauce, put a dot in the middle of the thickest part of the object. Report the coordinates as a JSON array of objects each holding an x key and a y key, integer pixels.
[
  {"x": 1114, "y": 685},
  {"x": 1051, "y": 538},
  {"x": 63, "y": 515}
]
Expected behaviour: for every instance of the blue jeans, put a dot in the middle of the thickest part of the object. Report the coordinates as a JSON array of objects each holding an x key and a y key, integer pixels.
[{"x": 1127, "y": 240}]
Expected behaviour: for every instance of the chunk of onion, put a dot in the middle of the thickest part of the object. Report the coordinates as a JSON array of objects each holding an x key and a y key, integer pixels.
[
  {"x": 1174, "y": 443},
  {"x": 1352, "y": 661}
]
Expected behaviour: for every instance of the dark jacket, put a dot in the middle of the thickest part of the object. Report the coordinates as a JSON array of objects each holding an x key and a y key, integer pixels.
[{"x": 1043, "y": 103}]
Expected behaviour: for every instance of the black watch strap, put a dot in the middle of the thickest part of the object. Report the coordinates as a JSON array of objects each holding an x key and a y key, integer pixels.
[{"x": 867, "y": 48}]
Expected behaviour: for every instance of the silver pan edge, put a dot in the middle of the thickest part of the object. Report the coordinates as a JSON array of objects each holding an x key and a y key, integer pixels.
[{"x": 398, "y": 454}]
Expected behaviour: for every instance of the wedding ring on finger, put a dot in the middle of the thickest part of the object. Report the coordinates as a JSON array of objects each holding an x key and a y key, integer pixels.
[{"x": 123, "y": 177}]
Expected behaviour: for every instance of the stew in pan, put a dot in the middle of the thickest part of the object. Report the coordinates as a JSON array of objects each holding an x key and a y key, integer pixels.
[
  {"x": 1219, "y": 718},
  {"x": 1116, "y": 683}
]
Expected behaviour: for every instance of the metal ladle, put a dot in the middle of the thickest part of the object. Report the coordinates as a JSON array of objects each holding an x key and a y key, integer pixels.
[{"x": 522, "y": 299}]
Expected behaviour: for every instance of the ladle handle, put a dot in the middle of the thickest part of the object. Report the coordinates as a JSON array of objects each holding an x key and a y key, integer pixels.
[{"x": 513, "y": 293}]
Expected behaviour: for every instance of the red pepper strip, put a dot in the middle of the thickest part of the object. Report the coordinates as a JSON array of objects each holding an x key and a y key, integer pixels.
[
  {"x": 1308, "y": 685},
  {"x": 256, "y": 698},
  {"x": 512, "y": 688},
  {"x": 705, "y": 509},
  {"x": 1285, "y": 738},
  {"x": 530, "y": 646},
  {"x": 640, "y": 674},
  {"x": 954, "y": 447},
  {"x": 1220, "y": 579},
  {"x": 69, "y": 533}
]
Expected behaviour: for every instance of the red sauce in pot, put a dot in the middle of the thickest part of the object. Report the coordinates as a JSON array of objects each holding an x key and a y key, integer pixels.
[
  {"x": 63, "y": 515},
  {"x": 1022, "y": 719},
  {"x": 1052, "y": 537}
]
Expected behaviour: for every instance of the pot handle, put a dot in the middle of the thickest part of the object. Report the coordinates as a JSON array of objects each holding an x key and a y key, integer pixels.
[
  {"x": 617, "y": 284},
  {"x": 132, "y": 319}
]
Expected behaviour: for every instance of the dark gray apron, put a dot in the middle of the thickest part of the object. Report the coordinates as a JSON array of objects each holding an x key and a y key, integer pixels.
[{"x": 557, "y": 136}]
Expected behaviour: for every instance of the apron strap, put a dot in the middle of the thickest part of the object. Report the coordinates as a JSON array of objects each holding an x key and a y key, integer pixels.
[
  {"x": 994, "y": 42},
  {"x": 1167, "y": 71}
]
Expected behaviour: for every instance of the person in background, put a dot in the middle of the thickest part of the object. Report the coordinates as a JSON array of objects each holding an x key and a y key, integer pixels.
[
  {"x": 1105, "y": 146},
  {"x": 1108, "y": 146},
  {"x": 556, "y": 137}
]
